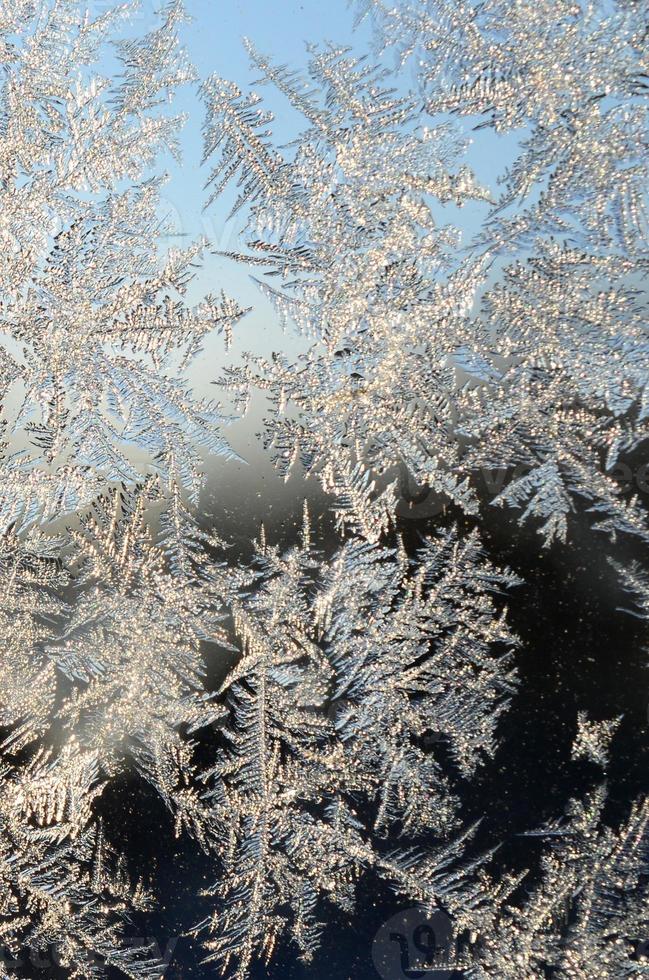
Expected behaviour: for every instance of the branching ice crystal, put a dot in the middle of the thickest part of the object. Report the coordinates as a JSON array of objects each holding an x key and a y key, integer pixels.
[
  {"x": 364, "y": 267},
  {"x": 60, "y": 894},
  {"x": 31, "y": 582},
  {"x": 366, "y": 676},
  {"x": 131, "y": 648},
  {"x": 354, "y": 673},
  {"x": 527, "y": 350},
  {"x": 593, "y": 739},
  {"x": 94, "y": 317},
  {"x": 588, "y": 913}
]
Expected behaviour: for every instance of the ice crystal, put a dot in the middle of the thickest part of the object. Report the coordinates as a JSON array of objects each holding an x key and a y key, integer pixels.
[
  {"x": 593, "y": 739},
  {"x": 60, "y": 894},
  {"x": 32, "y": 580},
  {"x": 570, "y": 225},
  {"x": 94, "y": 317},
  {"x": 131, "y": 648},
  {"x": 525, "y": 352},
  {"x": 350, "y": 686},
  {"x": 354, "y": 675},
  {"x": 364, "y": 268},
  {"x": 587, "y": 914}
]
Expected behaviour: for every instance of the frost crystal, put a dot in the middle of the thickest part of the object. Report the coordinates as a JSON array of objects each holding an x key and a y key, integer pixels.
[
  {"x": 59, "y": 894},
  {"x": 586, "y": 915},
  {"x": 364, "y": 268},
  {"x": 354, "y": 673},
  {"x": 95, "y": 321},
  {"x": 524, "y": 351},
  {"x": 132, "y": 650},
  {"x": 311, "y": 716}
]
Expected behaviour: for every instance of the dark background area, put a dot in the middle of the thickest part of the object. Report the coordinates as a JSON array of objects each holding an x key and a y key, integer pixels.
[{"x": 579, "y": 650}]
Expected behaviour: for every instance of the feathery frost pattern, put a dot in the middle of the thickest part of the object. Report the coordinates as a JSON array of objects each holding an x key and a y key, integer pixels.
[
  {"x": 524, "y": 349},
  {"x": 60, "y": 889},
  {"x": 364, "y": 269},
  {"x": 311, "y": 713},
  {"x": 97, "y": 325},
  {"x": 586, "y": 915},
  {"x": 354, "y": 672}
]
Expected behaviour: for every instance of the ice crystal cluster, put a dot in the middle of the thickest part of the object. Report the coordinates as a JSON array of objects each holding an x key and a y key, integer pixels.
[
  {"x": 363, "y": 673},
  {"x": 522, "y": 348}
]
